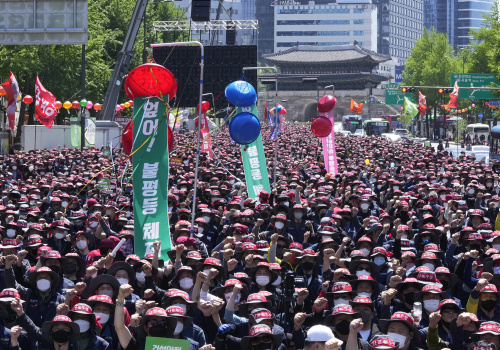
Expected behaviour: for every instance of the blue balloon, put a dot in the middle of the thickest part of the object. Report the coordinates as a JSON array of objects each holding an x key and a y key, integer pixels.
[
  {"x": 241, "y": 94},
  {"x": 244, "y": 128}
]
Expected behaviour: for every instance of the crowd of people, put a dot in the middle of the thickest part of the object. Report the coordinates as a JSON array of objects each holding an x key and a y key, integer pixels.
[{"x": 400, "y": 249}]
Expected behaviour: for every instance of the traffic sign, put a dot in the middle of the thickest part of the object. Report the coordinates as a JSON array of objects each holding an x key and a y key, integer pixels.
[
  {"x": 469, "y": 83},
  {"x": 480, "y": 115},
  {"x": 395, "y": 97},
  {"x": 372, "y": 99},
  {"x": 494, "y": 103}
]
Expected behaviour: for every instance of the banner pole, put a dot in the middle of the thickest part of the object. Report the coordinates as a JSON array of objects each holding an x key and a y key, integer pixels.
[{"x": 202, "y": 62}]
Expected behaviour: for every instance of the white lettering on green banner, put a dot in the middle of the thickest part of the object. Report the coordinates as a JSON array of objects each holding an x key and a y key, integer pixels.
[
  {"x": 254, "y": 162},
  {"x": 150, "y": 176},
  {"x": 155, "y": 343}
]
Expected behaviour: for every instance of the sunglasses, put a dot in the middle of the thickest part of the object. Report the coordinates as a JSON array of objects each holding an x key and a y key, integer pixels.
[
  {"x": 449, "y": 310},
  {"x": 342, "y": 296},
  {"x": 261, "y": 339},
  {"x": 155, "y": 323}
]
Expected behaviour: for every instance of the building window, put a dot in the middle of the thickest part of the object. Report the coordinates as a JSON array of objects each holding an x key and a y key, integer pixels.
[
  {"x": 357, "y": 32},
  {"x": 358, "y": 21},
  {"x": 312, "y": 22}
]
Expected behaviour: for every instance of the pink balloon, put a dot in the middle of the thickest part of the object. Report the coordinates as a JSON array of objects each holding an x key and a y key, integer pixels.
[
  {"x": 118, "y": 108},
  {"x": 90, "y": 105},
  {"x": 326, "y": 103}
]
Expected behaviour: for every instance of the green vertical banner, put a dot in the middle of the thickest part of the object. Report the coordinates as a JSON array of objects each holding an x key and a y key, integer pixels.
[
  {"x": 150, "y": 161},
  {"x": 75, "y": 130},
  {"x": 254, "y": 162}
]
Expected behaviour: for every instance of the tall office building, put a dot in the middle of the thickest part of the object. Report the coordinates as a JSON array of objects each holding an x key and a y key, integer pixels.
[
  {"x": 400, "y": 24},
  {"x": 456, "y": 18}
]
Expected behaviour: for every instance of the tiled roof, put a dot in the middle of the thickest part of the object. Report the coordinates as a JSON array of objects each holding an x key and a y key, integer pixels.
[{"x": 325, "y": 54}]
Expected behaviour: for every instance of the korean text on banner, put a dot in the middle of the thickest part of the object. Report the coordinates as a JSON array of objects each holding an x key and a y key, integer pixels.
[
  {"x": 151, "y": 175},
  {"x": 206, "y": 146},
  {"x": 329, "y": 152},
  {"x": 45, "y": 112},
  {"x": 156, "y": 343},
  {"x": 254, "y": 162}
]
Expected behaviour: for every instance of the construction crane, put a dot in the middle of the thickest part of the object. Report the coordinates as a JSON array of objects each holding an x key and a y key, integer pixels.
[{"x": 122, "y": 62}]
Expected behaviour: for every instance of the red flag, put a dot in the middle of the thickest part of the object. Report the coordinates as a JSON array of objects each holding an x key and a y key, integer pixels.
[
  {"x": 453, "y": 97},
  {"x": 206, "y": 146},
  {"x": 422, "y": 103},
  {"x": 356, "y": 107},
  {"x": 12, "y": 89},
  {"x": 44, "y": 106}
]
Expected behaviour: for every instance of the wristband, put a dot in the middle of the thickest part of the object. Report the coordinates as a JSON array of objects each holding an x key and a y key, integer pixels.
[{"x": 119, "y": 303}]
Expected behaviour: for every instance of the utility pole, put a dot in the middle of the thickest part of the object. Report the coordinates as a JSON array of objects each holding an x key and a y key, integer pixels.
[{"x": 82, "y": 108}]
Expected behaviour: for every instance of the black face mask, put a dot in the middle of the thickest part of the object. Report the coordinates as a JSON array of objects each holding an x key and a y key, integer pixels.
[
  {"x": 157, "y": 331},
  {"x": 61, "y": 336},
  {"x": 262, "y": 346},
  {"x": 475, "y": 247},
  {"x": 7, "y": 314},
  {"x": 366, "y": 317},
  {"x": 70, "y": 269},
  {"x": 55, "y": 268},
  {"x": 103, "y": 251},
  {"x": 343, "y": 327},
  {"x": 488, "y": 305},
  {"x": 446, "y": 285},
  {"x": 409, "y": 298},
  {"x": 307, "y": 266}
]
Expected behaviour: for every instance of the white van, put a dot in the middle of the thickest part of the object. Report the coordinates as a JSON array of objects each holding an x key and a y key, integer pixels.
[{"x": 481, "y": 130}]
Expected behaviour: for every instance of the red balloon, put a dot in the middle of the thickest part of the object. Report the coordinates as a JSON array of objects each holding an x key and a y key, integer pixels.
[
  {"x": 321, "y": 126},
  {"x": 127, "y": 136},
  {"x": 75, "y": 104},
  {"x": 131, "y": 102},
  {"x": 205, "y": 106},
  {"x": 27, "y": 99},
  {"x": 150, "y": 79},
  {"x": 326, "y": 103},
  {"x": 58, "y": 105}
]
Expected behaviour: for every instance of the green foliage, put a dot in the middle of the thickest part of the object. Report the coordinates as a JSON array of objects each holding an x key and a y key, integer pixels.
[
  {"x": 59, "y": 66},
  {"x": 428, "y": 64}
]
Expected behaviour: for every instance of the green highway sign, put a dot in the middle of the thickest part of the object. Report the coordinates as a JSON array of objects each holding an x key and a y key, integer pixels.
[
  {"x": 468, "y": 85},
  {"x": 395, "y": 96}
]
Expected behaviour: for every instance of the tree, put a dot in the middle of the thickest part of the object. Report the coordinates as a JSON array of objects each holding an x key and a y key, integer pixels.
[
  {"x": 59, "y": 66},
  {"x": 430, "y": 64}
]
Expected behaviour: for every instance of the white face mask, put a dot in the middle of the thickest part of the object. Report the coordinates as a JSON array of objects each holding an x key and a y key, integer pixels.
[
  {"x": 398, "y": 338},
  {"x": 11, "y": 233},
  {"x": 341, "y": 301},
  {"x": 59, "y": 235},
  {"x": 228, "y": 296},
  {"x": 141, "y": 277},
  {"x": 81, "y": 244},
  {"x": 445, "y": 180},
  {"x": 471, "y": 191},
  {"x": 178, "y": 328},
  {"x": 443, "y": 197},
  {"x": 395, "y": 188},
  {"x": 170, "y": 209},
  {"x": 365, "y": 206},
  {"x": 277, "y": 282},
  {"x": 365, "y": 251},
  {"x": 279, "y": 225},
  {"x": 430, "y": 266},
  {"x": 200, "y": 230},
  {"x": 362, "y": 273},
  {"x": 104, "y": 317},
  {"x": 43, "y": 285},
  {"x": 122, "y": 281},
  {"x": 84, "y": 325},
  {"x": 286, "y": 204},
  {"x": 14, "y": 167},
  {"x": 379, "y": 187},
  {"x": 262, "y": 280},
  {"x": 496, "y": 246},
  {"x": 64, "y": 204},
  {"x": 431, "y": 305},
  {"x": 298, "y": 215},
  {"x": 186, "y": 283},
  {"x": 364, "y": 295},
  {"x": 94, "y": 224},
  {"x": 207, "y": 219},
  {"x": 182, "y": 306},
  {"x": 405, "y": 236},
  {"x": 30, "y": 168},
  {"x": 379, "y": 260},
  {"x": 106, "y": 292},
  {"x": 128, "y": 214}
]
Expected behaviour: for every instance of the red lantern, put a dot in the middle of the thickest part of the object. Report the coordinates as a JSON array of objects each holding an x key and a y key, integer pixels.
[
  {"x": 150, "y": 79},
  {"x": 205, "y": 106},
  {"x": 127, "y": 136},
  {"x": 97, "y": 106},
  {"x": 75, "y": 104},
  {"x": 326, "y": 103},
  {"x": 131, "y": 102},
  {"x": 122, "y": 106},
  {"x": 321, "y": 126},
  {"x": 28, "y": 99},
  {"x": 58, "y": 105}
]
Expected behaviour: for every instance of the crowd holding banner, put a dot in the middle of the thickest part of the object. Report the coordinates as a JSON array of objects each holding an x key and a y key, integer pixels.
[{"x": 395, "y": 247}]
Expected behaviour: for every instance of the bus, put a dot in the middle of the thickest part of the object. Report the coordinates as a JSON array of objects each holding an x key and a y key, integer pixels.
[
  {"x": 479, "y": 132},
  {"x": 376, "y": 127},
  {"x": 393, "y": 121},
  {"x": 495, "y": 143},
  {"x": 352, "y": 123}
]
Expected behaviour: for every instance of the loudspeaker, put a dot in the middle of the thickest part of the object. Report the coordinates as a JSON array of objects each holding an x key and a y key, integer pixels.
[
  {"x": 231, "y": 37},
  {"x": 223, "y": 65},
  {"x": 200, "y": 10}
]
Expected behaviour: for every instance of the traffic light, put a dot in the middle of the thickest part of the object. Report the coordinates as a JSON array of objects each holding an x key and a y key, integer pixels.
[
  {"x": 404, "y": 90},
  {"x": 445, "y": 91},
  {"x": 441, "y": 91}
]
